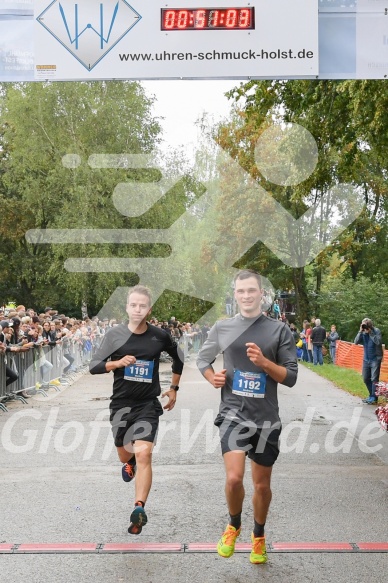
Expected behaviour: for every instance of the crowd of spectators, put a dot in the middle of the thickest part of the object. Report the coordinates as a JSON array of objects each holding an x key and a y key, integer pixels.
[
  {"x": 23, "y": 330},
  {"x": 193, "y": 335},
  {"x": 313, "y": 342}
]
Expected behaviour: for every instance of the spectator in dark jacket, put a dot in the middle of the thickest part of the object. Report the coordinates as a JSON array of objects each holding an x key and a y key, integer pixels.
[
  {"x": 370, "y": 337},
  {"x": 5, "y": 339},
  {"x": 318, "y": 336}
]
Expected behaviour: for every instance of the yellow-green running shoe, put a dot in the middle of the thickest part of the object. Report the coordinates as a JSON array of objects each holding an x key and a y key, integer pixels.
[
  {"x": 55, "y": 382},
  {"x": 259, "y": 551},
  {"x": 225, "y": 546}
]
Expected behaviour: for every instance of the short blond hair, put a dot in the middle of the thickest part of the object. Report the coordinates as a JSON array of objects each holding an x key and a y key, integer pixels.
[{"x": 142, "y": 290}]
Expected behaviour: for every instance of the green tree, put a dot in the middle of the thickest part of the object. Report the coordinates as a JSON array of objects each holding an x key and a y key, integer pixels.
[
  {"x": 345, "y": 302},
  {"x": 348, "y": 120},
  {"x": 39, "y": 124}
]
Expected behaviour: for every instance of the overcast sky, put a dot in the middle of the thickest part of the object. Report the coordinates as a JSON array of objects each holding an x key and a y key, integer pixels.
[{"x": 181, "y": 103}]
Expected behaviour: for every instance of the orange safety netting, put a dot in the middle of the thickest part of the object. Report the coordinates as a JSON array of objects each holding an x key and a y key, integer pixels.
[{"x": 351, "y": 355}]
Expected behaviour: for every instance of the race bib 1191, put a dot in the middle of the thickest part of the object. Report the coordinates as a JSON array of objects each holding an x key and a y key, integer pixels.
[{"x": 140, "y": 372}]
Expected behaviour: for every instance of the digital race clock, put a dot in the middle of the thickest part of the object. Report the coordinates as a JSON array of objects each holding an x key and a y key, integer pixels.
[{"x": 208, "y": 18}]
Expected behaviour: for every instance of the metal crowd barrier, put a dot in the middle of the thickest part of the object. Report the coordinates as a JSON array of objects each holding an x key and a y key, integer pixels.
[
  {"x": 54, "y": 354},
  {"x": 26, "y": 364},
  {"x": 183, "y": 343},
  {"x": 2, "y": 382},
  {"x": 190, "y": 343}
]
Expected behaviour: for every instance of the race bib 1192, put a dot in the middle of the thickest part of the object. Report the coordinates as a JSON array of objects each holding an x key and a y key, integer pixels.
[{"x": 249, "y": 384}]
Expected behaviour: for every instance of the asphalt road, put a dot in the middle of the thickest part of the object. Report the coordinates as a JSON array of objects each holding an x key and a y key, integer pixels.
[{"x": 60, "y": 482}]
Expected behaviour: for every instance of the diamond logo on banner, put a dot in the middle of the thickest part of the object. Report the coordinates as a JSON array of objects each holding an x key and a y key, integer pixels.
[{"x": 89, "y": 29}]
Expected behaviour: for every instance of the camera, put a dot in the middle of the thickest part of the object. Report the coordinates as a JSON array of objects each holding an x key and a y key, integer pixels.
[{"x": 364, "y": 326}]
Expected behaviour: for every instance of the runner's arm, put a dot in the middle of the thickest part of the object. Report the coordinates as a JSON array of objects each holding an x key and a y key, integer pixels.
[
  {"x": 217, "y": 379},
  {"x": 286, "y": 358},
  {"x": 101, "y": 364},
  {"x": 177, "y": 356},
  {"x": 285, "y": 369},
  {"x": 207, "y": 355},
  {"x": 276, "y": 371},
  {"x": 127, "y": 360}
]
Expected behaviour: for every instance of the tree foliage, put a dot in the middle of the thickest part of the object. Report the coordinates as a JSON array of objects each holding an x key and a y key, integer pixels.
[
  {"x": 39, "y": 125},
  {"x": 348, "y": 120},
  {"x": 345, "y": 302}
]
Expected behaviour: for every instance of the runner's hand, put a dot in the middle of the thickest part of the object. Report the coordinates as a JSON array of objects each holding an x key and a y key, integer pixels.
[
  {"x": 125, "y": 361},
  {"x": 171, "y": 394},
  {"x": 254, "y": 354},
  {"x": 219, "y": 379}
]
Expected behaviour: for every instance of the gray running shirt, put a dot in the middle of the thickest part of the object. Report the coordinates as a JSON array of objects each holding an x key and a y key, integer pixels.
[{"x": 277, "y": 344}]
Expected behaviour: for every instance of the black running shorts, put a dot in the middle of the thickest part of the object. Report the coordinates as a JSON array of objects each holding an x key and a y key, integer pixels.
[
  {"x": 139, "y": 422},
  {"x": 260, "y": 445}
]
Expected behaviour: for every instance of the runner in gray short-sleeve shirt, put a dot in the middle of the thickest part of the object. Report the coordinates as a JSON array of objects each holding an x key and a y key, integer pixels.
[{"x": 258, "y": 353}]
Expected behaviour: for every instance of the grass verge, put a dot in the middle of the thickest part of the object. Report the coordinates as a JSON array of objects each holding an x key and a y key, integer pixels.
[{"x": 346, "y": 379}]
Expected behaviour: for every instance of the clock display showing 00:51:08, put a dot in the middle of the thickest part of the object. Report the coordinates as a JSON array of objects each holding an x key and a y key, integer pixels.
[{"x": 208, "y": 19}]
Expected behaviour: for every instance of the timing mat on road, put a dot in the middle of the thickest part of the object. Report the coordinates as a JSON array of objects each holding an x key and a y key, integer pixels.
[{"x": 131, "y": 548}]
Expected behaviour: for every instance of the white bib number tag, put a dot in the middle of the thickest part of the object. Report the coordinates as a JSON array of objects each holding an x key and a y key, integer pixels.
[
  {"x": 249, "y": 384},
  {"x": 140, "y": 372}
]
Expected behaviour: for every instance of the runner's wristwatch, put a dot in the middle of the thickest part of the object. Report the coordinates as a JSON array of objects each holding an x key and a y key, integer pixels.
[{"x": 175, "y": 387}]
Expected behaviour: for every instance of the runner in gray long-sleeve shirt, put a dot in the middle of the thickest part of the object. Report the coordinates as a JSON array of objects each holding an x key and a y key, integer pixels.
[{"x": 258, "y": 354}]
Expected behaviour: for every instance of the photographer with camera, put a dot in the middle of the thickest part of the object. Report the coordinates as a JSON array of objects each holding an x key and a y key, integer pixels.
[{"x": 370, "y": 337}]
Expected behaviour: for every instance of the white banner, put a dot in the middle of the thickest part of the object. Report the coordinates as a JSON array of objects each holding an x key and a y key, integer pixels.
[
  {"x": 16, "y": 51},
  {"x": 11, "y": 5},
  {"x": 353, "y": 41},
  {"x": 374, "y": 6},
  {"x": 143, "y": 40},
  {"x": 372, "y": 35}
]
